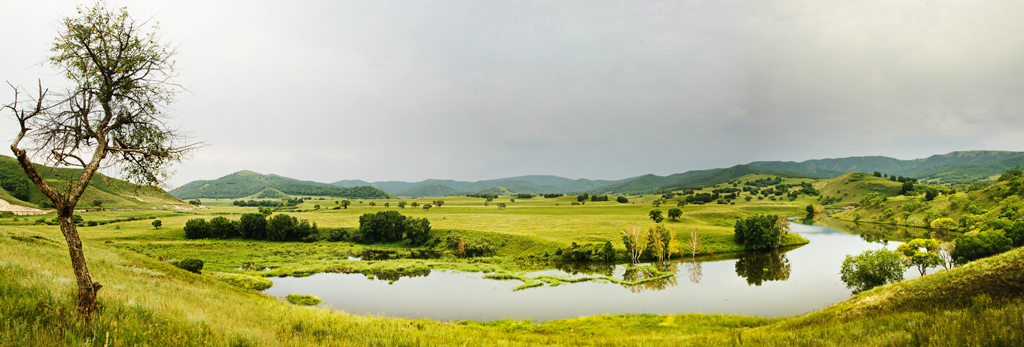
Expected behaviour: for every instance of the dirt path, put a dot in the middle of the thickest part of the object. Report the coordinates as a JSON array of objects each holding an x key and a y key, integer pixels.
[{"x": 20, "y": 210}]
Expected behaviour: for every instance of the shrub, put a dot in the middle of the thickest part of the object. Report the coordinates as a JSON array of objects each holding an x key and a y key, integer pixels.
[
  {"x": 92, "y": 223},
  {"x": 221, "y": 227},
  {"x": 197, "y": 228},
  {"x": 984, "y": 244},
  {"x": 282, "y": 227},
  {"x": 189, "y": 264},
  {"x": 304, "y": 300},
  {"x": 156, "y": 224},
  {"x": 871, "y": 269},
  {"x": 761, "y": 231},
  {"x": 253, "y": 226}
]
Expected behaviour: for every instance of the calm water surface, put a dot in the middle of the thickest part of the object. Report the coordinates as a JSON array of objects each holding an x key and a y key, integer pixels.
[{"x": 782, "y": 284}]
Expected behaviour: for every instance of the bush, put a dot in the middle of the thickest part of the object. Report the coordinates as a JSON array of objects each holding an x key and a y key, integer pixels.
[
  {"x": 761, "y": 231},
  {"x": 221, "y": 227},
  {"x": 253, "y": 226},
  {"x": 156, "y": 224},
  {"x": 304, "y": 300},
  {"x": 984, "y": 244},
  {"x": 871, "y": 269},
  {"x": 282, "y": 227},
  {"x": 197, "y": 229},
  {"x": 391, "y": 226},
  {"x": 189, "y": 264}
]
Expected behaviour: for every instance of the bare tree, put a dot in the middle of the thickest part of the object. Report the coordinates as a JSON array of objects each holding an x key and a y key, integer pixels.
[
  {"x": 635, "y": 238},
  {"x": 111, "y": 116},
  {"x": 694, "y": 242}
]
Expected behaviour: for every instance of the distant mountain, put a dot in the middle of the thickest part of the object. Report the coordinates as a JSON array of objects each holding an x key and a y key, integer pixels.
[
  {"x": 954, "y": 167},
  {"x": 246, "y": 183},
  {"x": 532, "y": 184},
  {"x": 430, "y": 190},
  {"x": 109, "y": 191},
  {"x": 695, "y": 178}
]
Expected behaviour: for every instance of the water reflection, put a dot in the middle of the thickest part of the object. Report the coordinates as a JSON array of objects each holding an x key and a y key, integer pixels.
[
  {"x": 587, "y": 268},
  {"x": 758, "y": 267},
  {"x": 639, "y": 273},
  {"x": 695, "y": 269}
]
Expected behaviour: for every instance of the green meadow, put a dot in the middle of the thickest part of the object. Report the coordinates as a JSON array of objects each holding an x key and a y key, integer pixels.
[{"x": 147, "y": 301}]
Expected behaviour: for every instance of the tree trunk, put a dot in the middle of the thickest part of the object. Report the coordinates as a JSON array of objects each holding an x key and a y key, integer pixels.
[{"x": 86, "y": 287}]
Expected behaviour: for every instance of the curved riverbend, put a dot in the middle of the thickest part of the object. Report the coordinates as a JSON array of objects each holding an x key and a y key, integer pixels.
[{"x": 782, "y": 284}]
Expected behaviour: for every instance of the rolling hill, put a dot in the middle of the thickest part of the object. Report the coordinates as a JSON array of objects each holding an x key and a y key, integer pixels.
[
  {"x": 533, "y": 184},
  {"x": 246, "y": 183},
  {"x": 111, "y": 192},
  {"x": 954, "y": 168}
]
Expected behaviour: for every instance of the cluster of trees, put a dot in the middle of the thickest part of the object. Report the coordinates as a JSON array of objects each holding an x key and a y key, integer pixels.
[
  {"x": 524, "y": 196},
  {"x": 894, "y": 178},
  {"x": 391, "y": 226},
  {"x": 764, "y": 182},
  {"x": 598, "y": 198},
  {"x": 702, "y": 198},
  {"x": 256, "y": 226},
  {"x": 483, "y": 195},
  {"x": 552, "y": 195},
  {"x": 257, "y": 203},
  {"x": 656, "y": 242},
  {"x": 588, "y": 252},
  {"x": 761, "y": 232},
  {"x": 622, "y": 199},
  {"x": 15, "y": 183}
]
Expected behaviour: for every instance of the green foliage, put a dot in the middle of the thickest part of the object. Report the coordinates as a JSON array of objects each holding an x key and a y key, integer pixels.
[
  {"x": 303, "y": 300},
  {"x": 656, "y": 216},
  {"x": 15, "y": 183},
  {"x": 189, "y": 264},
  {"x": 156, "y": 224},
  {"x": 622, "y": 199},
  {"x": 253, "y": 226},
  {"x": 282, "y": 227},
  {"x": 674, "y": 213},
  {"x": 761, "y": 231},
  {"x": 197, "y": 228},
  {"x": 221, "y": 227},
  {"x": 913, "y": 255},
  {"x": 984, "y": 244},
  {"x": 871, "y": 269},
  {"x": 391, "y": 226}
]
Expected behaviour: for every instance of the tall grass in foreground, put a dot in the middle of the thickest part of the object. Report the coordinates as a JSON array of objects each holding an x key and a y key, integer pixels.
[{"x": 149, "y": 302}]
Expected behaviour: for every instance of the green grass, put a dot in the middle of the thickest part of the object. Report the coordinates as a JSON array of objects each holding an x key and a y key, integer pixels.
[
  {"x": 149, "y": 302},
  {"x": 303, "y": 300}
]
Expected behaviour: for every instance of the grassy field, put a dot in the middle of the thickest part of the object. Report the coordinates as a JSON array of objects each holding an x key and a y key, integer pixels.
[
  {"x": 149, "y": 302},
  {"x": 527, "y": 228}
]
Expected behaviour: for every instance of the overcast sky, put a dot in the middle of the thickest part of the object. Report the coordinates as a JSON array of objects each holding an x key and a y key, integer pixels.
[{"x": 471, "y": 90}]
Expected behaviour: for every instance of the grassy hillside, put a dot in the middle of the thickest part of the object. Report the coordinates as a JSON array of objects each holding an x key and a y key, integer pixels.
[
  {"x": 149, "y": 302},
  {"x": 981, "y": 203},
  {"x": 112, "y": 192},
  {"x": 246, "y": 183},
  {"x": 953, "y": 168},
  {"x": 696, "y": 178}
]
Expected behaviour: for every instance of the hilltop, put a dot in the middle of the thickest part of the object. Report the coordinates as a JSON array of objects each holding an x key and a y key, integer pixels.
[{"x": 244, "y": 184}]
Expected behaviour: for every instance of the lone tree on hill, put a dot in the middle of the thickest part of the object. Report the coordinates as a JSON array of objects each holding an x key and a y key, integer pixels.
[{"x": 112, "y": 115}]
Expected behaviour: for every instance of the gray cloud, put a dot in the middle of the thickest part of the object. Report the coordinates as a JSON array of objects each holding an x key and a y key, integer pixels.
[{"x": 329, "y": 90}]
